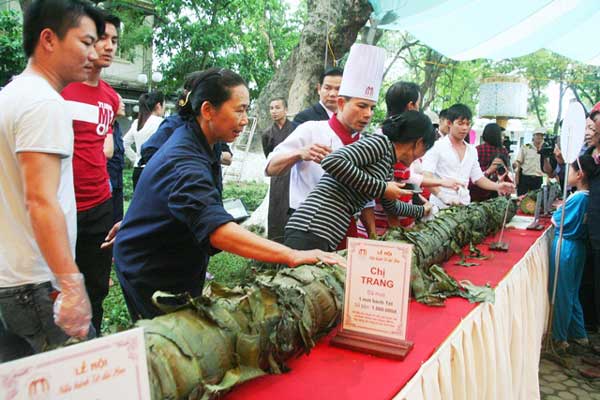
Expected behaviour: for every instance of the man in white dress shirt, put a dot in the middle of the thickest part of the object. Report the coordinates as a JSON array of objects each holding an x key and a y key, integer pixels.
[{"x": 453, "y": 158}]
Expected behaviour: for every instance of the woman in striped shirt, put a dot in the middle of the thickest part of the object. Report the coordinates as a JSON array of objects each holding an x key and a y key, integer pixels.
[{"x": 356, "y": 174}]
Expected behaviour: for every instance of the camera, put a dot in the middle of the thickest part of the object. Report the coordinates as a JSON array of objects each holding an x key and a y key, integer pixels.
[
  {"x": 501, "y": 170},
  {"x": 507, "y": 143},
  {"x": 547, "y": 150}
]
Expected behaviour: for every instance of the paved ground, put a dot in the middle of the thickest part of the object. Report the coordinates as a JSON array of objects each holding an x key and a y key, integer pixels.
[{"x": 558, "y": 382}]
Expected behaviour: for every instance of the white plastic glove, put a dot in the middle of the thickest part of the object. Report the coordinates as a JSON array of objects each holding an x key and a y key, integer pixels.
[
  {"x": 72, "y": 309},
  {"x": 434, "y": 211},
  {"x": 448, "y": 199}
]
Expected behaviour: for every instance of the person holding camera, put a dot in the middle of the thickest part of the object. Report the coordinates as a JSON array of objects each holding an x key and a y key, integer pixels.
[
  {"x": 497, "y": 171},
  {"x": 493, "y": 160},
  {"x": 528, "y": 164}
]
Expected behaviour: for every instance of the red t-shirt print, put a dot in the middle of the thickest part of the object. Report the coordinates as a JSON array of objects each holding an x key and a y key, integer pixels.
[{"x": 93, "y": 111}]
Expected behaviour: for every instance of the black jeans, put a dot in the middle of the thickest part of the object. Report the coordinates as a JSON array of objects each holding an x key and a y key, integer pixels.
[
  {"x": 117, "y": 198},
  {"x": 135, "y": 176},
  {"x": 94, "y": 263},
  {"x": 595, "y": 254},
  {"x": 302, "y": 240},
  {"x": 528, "y": 183},
  {"x": 27, "y": 312}
]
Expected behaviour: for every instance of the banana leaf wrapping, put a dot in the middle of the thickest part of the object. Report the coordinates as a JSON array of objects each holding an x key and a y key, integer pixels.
[
  {"x": 436, "y": 241},
  {"x": 207, "y": 345},
  {"x": 229, "y": 336},
  {"x": 528, "y": 202}
]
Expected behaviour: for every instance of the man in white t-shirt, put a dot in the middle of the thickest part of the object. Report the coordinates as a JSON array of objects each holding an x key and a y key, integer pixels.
[
  {"x": 38, "y": 211},
  {"x": 453, "y": 158}
]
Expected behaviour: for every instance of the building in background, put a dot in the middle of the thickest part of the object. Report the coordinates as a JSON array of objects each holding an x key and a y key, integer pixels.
[{"x": 125, "y": 73}]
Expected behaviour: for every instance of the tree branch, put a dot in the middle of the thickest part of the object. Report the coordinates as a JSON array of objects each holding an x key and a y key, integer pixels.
[{"x": 397, "y": 56}]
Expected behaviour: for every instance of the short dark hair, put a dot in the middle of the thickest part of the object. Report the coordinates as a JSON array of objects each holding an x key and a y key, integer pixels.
[
  {"x": 57, "y": 15},
  {"x": 492, "y": 134},
  {"x": 503, "y": 157},
  {"x": 408, "y": 127},
  {"x": 284, "y": 101},
  {"x": 459, "y": 111},
  {"x": 399, "y": 95},
  {"x": 112, "y": 19},
  {"x": 593, "y": 114},
  {"x": 213, "y": 85},
  {"x": 590, "y": 169},
  {"x": 443, "y": 114},
  {"x": 331, "y": 71}
]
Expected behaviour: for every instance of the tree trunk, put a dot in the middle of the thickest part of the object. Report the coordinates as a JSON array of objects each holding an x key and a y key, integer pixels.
[
  {"x": 24, "y": 4},
  {"x": 298, "y": 76},
  {"x": 576, "y": 94},
  {"x": 561, "y": 94},
  {"x": 433, "y": 68},
  {"x": 535, "y": 94}
]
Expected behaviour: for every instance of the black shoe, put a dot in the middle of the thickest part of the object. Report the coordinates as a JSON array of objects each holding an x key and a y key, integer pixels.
[
  {"x": 591, "y": 360},
  {"x": 577, "y": 349}
]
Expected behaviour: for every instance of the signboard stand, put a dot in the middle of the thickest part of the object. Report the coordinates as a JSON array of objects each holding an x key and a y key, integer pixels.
[
  {"x": 547, "y": 204},
  {"x": 371, "y": 344},
  {"x": 535, "y": 225},
  {"x": 376, "y": 299}
]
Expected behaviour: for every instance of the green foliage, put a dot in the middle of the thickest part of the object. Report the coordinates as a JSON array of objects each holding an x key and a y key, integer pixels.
[
  {"x": 127, "y": 184},
  {"x": 116, "y": 317},
  {"x": 380, "y": 111},
  {"x": 460, "y": 84},
  {"x": 12, "y": 58},
  {"x": 251, "y": 193},
  {"x": 250, "y": 37},
  {"x": 136, "y": 29},
  {"x": 229, "y": 269},
  {"x": 585, "y": 82},
  {"x": 445, "y": 82}
]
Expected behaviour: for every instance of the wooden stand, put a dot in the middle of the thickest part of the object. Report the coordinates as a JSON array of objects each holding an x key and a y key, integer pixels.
[
  {"x": 374, "y": 345},
  {"x": 535, "y": 226},
  {"x": 499, "y": 246}
]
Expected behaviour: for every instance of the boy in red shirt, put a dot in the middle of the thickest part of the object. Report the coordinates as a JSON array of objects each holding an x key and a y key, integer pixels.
[{"x": 93, "y": 105}]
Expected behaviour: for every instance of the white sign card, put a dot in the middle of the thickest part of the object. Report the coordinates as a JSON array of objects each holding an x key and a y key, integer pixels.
[
  {"x": 572, "y": 133},
  {"x": 377, "y": 288},
  {"x": 112, "y": 367}
]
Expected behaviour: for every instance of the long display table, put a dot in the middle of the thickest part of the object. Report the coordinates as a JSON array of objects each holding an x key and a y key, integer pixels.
[{"x": 461, "y": 351}]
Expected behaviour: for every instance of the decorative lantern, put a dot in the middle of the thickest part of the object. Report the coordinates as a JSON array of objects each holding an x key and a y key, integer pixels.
[{"x": 503, "y": 97}]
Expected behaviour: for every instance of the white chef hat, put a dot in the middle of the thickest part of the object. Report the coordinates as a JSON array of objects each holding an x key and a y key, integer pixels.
[{"x": 363, "y": 72}]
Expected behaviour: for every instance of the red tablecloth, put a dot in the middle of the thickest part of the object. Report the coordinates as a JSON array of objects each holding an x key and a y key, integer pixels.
[{"x": 333, "y": 373}]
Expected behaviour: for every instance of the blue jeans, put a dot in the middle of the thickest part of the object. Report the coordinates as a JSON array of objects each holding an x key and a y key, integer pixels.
[{"x": 27, "y": 314}]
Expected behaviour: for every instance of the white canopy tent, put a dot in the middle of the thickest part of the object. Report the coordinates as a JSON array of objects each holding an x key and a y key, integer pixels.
[{"x": 496, "y": 29}]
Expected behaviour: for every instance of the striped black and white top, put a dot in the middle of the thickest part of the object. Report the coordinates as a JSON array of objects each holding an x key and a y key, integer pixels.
[{"x": 354, "y": 175}]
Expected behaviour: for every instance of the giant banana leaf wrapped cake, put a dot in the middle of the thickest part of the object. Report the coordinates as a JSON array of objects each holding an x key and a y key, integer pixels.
[{"x": 208, "y": 345}]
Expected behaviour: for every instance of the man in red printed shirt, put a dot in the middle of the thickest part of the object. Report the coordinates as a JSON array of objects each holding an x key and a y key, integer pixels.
[{"x": 93, "y": 105}]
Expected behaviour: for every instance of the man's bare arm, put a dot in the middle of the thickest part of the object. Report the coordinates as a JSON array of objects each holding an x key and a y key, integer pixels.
[
  {"x": 429, "y": 176},
  {"x": 40, "y": 174},
  {"x": 41, "y": 178}
]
